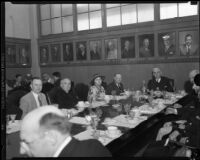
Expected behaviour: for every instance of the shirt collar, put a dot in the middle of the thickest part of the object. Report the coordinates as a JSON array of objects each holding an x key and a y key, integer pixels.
[
  {"x": 35, "y": 94},
  {"x": 62, "y": 146}
]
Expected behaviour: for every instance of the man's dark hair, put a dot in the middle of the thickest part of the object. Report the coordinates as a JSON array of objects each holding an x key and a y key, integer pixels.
[
  {"x": 18, "y": 75},
  {"x": 56, "y": 74},
  {"x": 188, "y": 35},
  {"x": 33, "y": 78},
  {"x": 52, "y": 121}
]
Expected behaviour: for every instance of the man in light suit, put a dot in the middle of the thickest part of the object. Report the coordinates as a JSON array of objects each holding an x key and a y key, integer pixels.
[
  {"x": 45, "y": 132},
  {"x": 34, "y": 99},
  {"x": 188, "y": 48}
]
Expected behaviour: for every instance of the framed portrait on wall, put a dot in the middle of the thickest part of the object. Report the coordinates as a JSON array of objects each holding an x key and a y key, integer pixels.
[
  {"x": 81, "y": 50},
  {"x": 146, "y": 45},
  {"x": 23, "y": 53},
  {"x": 167, "y": 44},
  {"x": 55, "y": 53},
  {"x": 189, "y": 43},
  {"x": 68, "y": 52},
  {"x": 111, "y": 49},
  {"x": 44, "y": 55},
  {"x": 10, "y": 54},
  {"x": 95, "y": 50},
  {"x": 128, "y": 47}
]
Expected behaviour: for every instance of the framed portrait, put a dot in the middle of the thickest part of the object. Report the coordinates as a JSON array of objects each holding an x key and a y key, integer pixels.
[
  {"x": 167, "y": 44},
  {"x": 55, "y": 53},
  {"x": 81, "y": 50},
  {"x": 68, "y": 52},
  {"x": 111, "y": 49},
  {"x": 95, "y": 50},
  {"x": 128, "y": 47},
  {"x": 24, "y": 55},
  {"x": 44, "y": 54},
  {"x": 10, "y": 54},
  {"x": 189, "y": 43},
  {"x": 146, "y": 45}
]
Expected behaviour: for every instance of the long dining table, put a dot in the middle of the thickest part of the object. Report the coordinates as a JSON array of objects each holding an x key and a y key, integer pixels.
[{"x": 112, "y": 114}]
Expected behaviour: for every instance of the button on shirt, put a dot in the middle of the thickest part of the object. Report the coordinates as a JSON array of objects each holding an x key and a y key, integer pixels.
[{"x": 36, "y": 99}]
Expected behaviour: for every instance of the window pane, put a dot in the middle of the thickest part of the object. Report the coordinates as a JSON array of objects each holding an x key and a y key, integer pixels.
[
  {"x": 94, "y": 7},
  {"x": 113, "y": 17},
  {"x": 168, "y": 10},
  {"x": 95, "y": 20},
  {"x": 45, "y": 27},
  {"x": 56, "y": 25},
  {"x": 67, "y": 24},
  {"x": 45, "y": 11},
  {"x": 185, "y": 9},
  {"x": 55, "y": 10},
  {"x": 83, "y": 22},
  {"x": 66, "y": 9},
  {"x": 82, "y": 8},
  {"x": 129, "y": 14},
  {"x": 112, "y": 5},
  {"x": 145, "y": 12}
]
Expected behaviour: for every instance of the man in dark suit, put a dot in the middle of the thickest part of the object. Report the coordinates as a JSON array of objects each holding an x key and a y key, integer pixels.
[
  {"x": 116, "y": 87},
  {"x": 34, "y": 99},
  {"x": 64, "y": 96},
  {"x": 57, "y": 78},
  {"x": 158, "y": 82},
  {"x": 168, "y": 49},
  {"x": 188, "y": 48},
  {"x": 127, "y": 51},
  {"x": 68, "y": 52},
  {"x": 45, "y": 132},
  {"x": 81, "y": 52},
  {"x": 94, "y": 52}
]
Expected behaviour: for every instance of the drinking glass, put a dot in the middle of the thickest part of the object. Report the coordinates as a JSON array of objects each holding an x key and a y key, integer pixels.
[
  {"x": 12, "y": 117},
  {"x": 127, "y": 108}
]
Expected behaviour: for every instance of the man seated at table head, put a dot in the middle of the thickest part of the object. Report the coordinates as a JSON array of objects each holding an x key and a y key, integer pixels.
[
  {"x": 115, "y": 87},
  {"x": 189, "y": 83},
  {"x": 64, "y": 96},
  {"x": 33, "y": 99},
  {"x": 45, "y": 132},
  {"x": 159, "y": 82}
]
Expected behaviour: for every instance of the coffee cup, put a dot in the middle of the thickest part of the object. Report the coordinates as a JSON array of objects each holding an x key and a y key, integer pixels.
[{"x": 112, "y": 130}]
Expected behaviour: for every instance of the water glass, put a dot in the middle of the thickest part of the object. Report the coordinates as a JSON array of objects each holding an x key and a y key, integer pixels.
[
  {"x": 127, "y": 108},
  {"x": 12, "y": 117}
]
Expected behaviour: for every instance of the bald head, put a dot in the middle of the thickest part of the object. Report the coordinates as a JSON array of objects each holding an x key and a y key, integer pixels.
[
  {"x": 65, "y": 84},
  {"x": 192, "y": 74}
]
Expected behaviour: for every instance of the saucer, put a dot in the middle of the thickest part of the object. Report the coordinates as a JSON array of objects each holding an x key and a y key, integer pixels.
[{"x": 117, "y": 134}]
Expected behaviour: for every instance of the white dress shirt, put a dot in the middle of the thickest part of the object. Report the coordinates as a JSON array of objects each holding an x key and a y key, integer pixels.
[{"x": 62, "y": 146}]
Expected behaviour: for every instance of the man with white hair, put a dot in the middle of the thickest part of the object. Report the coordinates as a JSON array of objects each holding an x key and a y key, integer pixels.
[
  {"x": 159, "y": 82},
  {"x": 189, "y": 83},
  {"x": 45, "y": 132}
]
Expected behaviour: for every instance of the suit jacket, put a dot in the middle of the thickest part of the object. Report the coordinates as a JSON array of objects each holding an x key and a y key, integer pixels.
[
  {"x": 128, "y": 53},
  {"x": 28, "y": 103},
  {"x": 163, "y": 85},
  {"x": 85, "y": 148},
  {"x": 188, "y": 87},
  {"x": 63, "y": 99},
  {"x": 169, "y": 52},
  {"x": 113, "y": 87},
  {"x": 145, "y": 53},
  {"x": 94, "y": 55},
  {"x": 193, "y": 50}
]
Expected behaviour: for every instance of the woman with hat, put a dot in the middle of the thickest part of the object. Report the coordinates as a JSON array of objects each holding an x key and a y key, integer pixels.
[{"x": 97, "y": 91}]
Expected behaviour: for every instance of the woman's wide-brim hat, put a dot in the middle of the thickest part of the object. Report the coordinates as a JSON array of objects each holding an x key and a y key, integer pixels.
[
  {"x": 96, "y": 76},
  {"x": 197, "y": 79}
]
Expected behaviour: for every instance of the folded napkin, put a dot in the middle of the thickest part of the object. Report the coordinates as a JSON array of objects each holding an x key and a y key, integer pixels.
[
  {"x": 79, "y": 120},
  {"x": 98, "y": 104},
  {"x": 13, "y": 126}
]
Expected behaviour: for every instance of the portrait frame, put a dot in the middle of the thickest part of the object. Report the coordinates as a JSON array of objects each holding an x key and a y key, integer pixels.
[
  {"x": 24, "y": 55},
  {"x": 146, "y": 45},
  {"x": 68, "y": 52},
  {"x": 44, "y": 54},
  {"x": 95, "y": 49},
  {"x": 128, "y": 47},
  {"x": 167, "y": 44},
  {"x": 55, "y": 53},
  {"x": 193, "y": 45},
  {"x": 111, "y": 48},
  {"x": 11, "y": 54},
  {"x": 81, "y": 50}
]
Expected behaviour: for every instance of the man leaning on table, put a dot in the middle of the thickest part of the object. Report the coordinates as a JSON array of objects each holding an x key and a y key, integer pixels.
[
  {"x": 45, "y": 132},
  {"x": 116, "y": 87},
  {"x": 34, "y": 99},
  {"x": 159, "y": 82}
]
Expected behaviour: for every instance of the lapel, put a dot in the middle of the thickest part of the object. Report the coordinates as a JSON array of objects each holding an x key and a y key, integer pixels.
[
  {"x": 33, "y": 101},
  {"x": 70, "y": 149}
]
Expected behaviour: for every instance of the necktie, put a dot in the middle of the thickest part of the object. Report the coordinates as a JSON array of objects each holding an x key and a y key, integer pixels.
[
  {"x": 39, "y": 100},
  {"x": 188, "y": 50}
]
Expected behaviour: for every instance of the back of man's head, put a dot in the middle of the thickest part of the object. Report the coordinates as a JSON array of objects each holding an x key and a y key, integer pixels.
[{"x": 57, "y": 74}]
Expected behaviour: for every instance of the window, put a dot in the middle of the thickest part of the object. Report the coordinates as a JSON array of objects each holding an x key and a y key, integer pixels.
[
  {"x": 122, "y": 14},
  {"x": 89, "y": 16},
  {"x": 56, "y": 18},
  {"x": 172, "y": 10}
]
